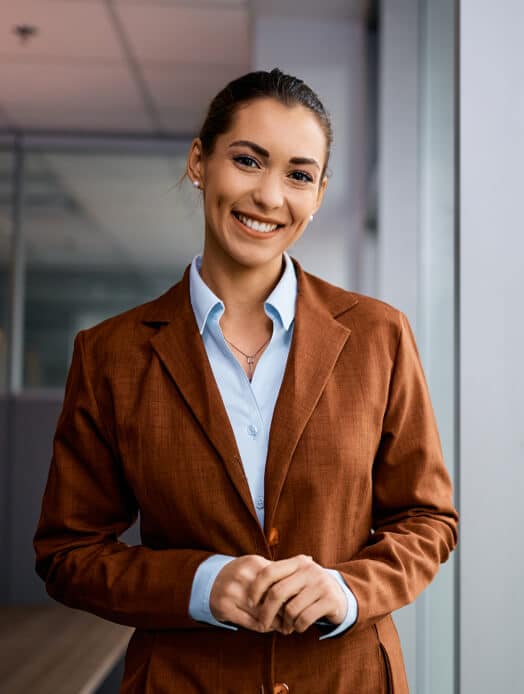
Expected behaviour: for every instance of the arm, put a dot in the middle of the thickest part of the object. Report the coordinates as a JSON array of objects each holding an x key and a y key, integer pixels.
[
  {"x": 414, "y": 521},
  {"x": 87, "y": 504}
]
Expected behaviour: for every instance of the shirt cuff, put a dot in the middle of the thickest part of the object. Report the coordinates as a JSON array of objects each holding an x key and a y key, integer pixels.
[
  {"x": 351, "y": 611},
  {"x": 205, "y": 576}
]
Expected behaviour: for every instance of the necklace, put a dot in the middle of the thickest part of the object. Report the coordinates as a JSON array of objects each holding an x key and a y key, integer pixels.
[{"x": 250, "y": 357}]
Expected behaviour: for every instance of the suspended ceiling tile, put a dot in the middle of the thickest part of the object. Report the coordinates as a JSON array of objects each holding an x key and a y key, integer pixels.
[
  {"x": 167, "y": 33},
  {"x": 76, "y": 30},
  {"x": 182, "y": 93},
  {"x": 188, "y": 3},
  {"x": 85, "y": 97}
]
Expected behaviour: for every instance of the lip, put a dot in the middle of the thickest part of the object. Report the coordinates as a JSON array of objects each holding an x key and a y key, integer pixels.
[
  {"x": 258, "y": 218},
  {"x": 252, "y": 232}
]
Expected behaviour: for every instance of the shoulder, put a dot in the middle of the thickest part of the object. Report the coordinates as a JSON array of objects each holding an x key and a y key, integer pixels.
[
  {"x": 354, "y": 309},
  {"x": 124, "y": 335}
]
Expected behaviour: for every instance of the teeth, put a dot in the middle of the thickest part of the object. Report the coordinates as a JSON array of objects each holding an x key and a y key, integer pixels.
[{"x": 257, "y": 226}]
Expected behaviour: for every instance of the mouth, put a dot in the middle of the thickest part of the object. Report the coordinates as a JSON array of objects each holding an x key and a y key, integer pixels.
[{"x": 255, "y": 225}]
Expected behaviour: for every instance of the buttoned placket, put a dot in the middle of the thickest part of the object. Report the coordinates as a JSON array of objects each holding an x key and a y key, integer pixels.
[{"x": 254, "y": 421}]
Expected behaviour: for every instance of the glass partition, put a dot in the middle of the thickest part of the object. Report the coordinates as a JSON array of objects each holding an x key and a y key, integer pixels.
[
  {"x": 104, "y": 231},
  {"x": 6, "y": 230}
]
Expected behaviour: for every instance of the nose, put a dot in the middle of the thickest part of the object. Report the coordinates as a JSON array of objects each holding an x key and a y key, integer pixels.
[{"x": 268, "y": 192}]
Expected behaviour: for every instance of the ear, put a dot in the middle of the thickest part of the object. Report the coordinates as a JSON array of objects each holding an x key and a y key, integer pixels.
[
  {"x": 320, "y": 194},
  {"x": 195, "y": 161}
]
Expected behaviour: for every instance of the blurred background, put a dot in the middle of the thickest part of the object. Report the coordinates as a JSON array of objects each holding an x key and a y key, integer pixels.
[{"x": 99, "y": 101}]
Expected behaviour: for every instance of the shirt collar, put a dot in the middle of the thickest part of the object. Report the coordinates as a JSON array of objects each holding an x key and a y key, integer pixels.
[
  {"x": 284, "y": 295},
  {"x": 281, "y": 300}
]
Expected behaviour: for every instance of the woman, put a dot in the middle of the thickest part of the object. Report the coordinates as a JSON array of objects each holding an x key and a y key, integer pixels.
[{"x": 274, "y": 431}]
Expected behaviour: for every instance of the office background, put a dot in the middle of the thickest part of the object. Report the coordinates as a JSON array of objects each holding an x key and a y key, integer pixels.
[{"x": 97, "y": 109}]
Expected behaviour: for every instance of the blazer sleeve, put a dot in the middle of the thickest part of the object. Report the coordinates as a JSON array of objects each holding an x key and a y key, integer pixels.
[
  {"x": 87, "y": 505},
  {"x": 414, "y": 519}
]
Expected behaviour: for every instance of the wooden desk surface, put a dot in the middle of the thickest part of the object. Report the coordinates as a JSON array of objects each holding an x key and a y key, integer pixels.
[{"x": 51, "y": 649}]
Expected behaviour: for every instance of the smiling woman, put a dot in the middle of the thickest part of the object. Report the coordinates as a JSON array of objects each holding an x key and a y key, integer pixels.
[{"x": 274, "y": 431}]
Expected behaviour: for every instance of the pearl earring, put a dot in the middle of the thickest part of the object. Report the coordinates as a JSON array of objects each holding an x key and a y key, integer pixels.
[
  {"x": 310, "y": 217},
  {"x": 196, "y": 184}
]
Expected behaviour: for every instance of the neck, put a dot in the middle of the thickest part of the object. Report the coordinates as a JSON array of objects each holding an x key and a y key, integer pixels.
[{"x": 242, "y": 289}]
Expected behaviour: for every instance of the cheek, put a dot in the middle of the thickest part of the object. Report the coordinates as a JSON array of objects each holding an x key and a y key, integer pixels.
[
  {"x": 301, "y": 206},
  {"x": 216, "y": 201}
]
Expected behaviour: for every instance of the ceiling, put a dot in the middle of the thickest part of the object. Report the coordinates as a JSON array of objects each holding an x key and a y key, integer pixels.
[
  {"x": 148, "y": 66},
  {"x": 117, "y": 65},
  {"x": 133, "y": 68}
]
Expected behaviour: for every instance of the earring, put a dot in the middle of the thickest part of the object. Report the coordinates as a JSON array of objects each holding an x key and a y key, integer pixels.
[
  {"x": 310, "y": 217},
  {"x": 196, "y": 184}
]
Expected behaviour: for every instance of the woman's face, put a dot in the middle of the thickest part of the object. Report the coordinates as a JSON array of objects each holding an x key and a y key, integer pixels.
[{"x": 261, "y": 183}]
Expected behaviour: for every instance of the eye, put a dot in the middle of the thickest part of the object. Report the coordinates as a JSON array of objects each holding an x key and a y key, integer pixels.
[
  {"x": 246, "y": 160},
  {"x": 302, "y": 177}
]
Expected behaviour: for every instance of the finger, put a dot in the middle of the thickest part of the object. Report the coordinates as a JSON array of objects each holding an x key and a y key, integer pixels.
[
  {"x": 231, "y": 584},
  {"x": 300, "y": 602},
  {"x": 242, "y": 618},
  {"x": 277, "y": 625},
  {"x": 231, "y": 598},
  {"x": 320, "y": 585},
  {"x": 310, "y": 615},
  {"x": 279, "y": 594},
  {"x": 245, "y": 570},
  {"x": 273, "y": 573}
]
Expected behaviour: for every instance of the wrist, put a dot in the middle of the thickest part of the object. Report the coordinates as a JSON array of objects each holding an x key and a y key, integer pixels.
[{"x": 340, "y": 608}]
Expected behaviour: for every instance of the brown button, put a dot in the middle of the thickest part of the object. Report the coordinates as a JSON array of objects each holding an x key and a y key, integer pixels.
[
  {"x": 280, "y": 688},
  {"x": 273, "y": 539}
]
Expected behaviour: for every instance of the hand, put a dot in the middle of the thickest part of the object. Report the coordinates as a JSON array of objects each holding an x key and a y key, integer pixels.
[
  {"x": 296, "y": 591},
  {"x": 229, "y": 595}
]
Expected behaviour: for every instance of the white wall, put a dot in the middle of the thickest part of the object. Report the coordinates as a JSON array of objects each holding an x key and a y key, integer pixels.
[
  {"x": 329, "y": 55},
  {"x": 492, "y": 351}
]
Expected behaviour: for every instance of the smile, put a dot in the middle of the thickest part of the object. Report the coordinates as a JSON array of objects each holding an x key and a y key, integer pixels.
[{"x": 255, "y": 225}]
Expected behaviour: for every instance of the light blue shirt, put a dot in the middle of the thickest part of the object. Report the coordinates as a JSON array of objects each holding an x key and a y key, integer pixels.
[{"x": 249, "y": 405}]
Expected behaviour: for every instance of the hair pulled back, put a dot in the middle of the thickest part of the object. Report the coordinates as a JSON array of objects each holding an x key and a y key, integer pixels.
[{"x": 288, "y": 90}]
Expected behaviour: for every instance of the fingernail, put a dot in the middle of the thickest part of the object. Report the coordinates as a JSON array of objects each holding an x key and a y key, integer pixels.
[{"x": 250, "y": 602}]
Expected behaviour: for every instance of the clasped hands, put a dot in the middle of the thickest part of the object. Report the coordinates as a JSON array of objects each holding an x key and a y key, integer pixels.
[{"x": 285, "y": 596}]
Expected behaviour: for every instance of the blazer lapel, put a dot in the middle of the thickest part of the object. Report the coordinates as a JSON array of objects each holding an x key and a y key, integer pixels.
[
  {"x": 180, "y": 348},
  {"x": 318, "y": 339}
]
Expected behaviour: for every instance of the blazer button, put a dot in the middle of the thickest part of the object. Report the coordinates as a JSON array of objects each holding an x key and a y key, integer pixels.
[
  {"x": 273, "y": 537},
  {"x": 280, "y": 688}
]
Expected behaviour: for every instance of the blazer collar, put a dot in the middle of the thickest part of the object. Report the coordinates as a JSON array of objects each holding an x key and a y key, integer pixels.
[{"x": 318, "y": 338}]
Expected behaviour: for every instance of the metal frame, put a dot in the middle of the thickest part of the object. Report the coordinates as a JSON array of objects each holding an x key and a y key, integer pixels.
[{"x": 15, "y": 333}]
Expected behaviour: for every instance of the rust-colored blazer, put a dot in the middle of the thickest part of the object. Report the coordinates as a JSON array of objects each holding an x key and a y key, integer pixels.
[{"x": 354, "y": 477}]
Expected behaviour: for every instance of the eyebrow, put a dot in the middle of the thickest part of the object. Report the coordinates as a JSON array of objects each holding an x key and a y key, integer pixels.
[{"x": 264, "y": 153}]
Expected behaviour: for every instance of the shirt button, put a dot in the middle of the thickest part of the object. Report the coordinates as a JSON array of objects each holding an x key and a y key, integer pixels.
[
  {"x": 252, "y": 430},
  {"x": 259, "y": 502}
]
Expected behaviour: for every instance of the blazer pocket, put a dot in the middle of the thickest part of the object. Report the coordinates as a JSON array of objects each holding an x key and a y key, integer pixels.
[{"x": 388, "y": 679}]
